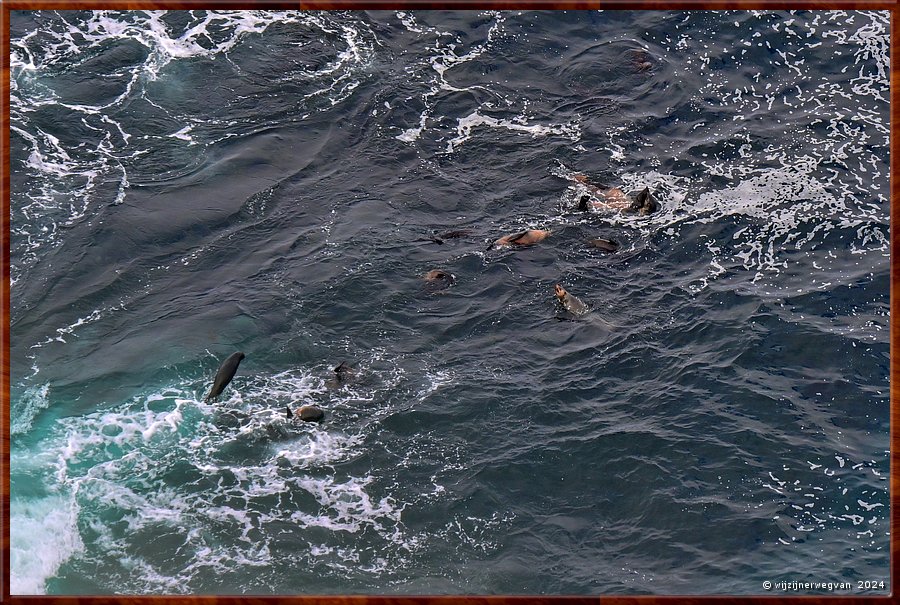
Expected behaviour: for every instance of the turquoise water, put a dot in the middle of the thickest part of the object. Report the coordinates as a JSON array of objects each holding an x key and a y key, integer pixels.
[{"x": 190, "y": 184}]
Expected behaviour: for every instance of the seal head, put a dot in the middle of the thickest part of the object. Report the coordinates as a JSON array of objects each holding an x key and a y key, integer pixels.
[
  {"x": 438, "y": 279},
  {"x": 438, "y": 275},
  {"x": 570, "y": 303}
]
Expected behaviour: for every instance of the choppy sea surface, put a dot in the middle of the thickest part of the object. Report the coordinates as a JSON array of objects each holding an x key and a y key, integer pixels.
[{"x": 190, "y": 184}]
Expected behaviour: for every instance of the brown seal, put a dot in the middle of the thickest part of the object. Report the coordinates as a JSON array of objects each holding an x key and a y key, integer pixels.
[
  {"x": 306, "y": 413},
  {"x": 439, "y": 275},
  {"x": 438, "y": 279},
  {"x": 641, "y": 60},
  {"x": 522, "y": 238},
  {"x": 615, "y": 199}
]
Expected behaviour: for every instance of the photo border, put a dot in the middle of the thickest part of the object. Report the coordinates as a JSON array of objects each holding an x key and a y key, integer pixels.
[{"x": 14, "y": 5}]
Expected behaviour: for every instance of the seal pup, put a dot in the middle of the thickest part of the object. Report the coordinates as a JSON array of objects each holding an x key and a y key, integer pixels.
[
  {"x": 306, "y": 413},
  {"x": 342, "y": 375},
  {"x": 607, "y": 245},
  {"x": 570, "y": 303},
  {"x": 522, "y": 238},
  {"x": 224, "y": 375}
]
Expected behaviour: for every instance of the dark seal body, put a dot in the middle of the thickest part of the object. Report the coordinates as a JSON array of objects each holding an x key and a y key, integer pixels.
[
  {"x": 342, "y": 374},
  {"x": 607, "y": 245},
  {"x": 224, "y": 375},
  {"x": 458, "y": 233},
  {"x": 644, "y": 203}
]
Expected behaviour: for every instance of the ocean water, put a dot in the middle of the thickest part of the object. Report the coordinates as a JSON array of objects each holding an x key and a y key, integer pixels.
[{"x": 190, "y": 184}]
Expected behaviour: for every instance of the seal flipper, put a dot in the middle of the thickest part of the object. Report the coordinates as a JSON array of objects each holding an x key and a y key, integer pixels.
[
  {"x": 288, "y": 412},
  {"x": 343, "y": 370},
  {"x": 644, "y": 203},
  {"x": 643, "y": 197},
  {"x": 583, "y": 203},
  {"x": 515, "y": 238},
  {"x": 635, "y": 206},
  {"x": 650, "y": 204}
]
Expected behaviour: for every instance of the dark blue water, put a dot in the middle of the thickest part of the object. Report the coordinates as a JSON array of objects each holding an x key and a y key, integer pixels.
[{"x": 190, "y": 184}]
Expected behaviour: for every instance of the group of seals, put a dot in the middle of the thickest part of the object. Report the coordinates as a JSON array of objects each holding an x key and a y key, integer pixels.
[
  {"x": 306, "y": 413},
  {"x": 437, "y": 279},
  {"x": 614, "y": 198},
  {"x": 642, "y": 203}
]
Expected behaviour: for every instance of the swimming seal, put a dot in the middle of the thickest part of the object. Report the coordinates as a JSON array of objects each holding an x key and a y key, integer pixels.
[
  {"x": 522, "y": 238},
  {"x": 439, "y": 239},
  {"x": 342, "y": 375},
  {"x": 224, "y": 375},
  {"x": 437, "y": 280},
  {"x": 604, "y": 199},
  {"x": 640, "y": 59},
  {"x": 439, "y": 276},
  {"x": 644, "y": 203},
  {"x": 570, "y": 303},
  {"x": 306, "y": 413},
  {"x": 607, "y": 245}
]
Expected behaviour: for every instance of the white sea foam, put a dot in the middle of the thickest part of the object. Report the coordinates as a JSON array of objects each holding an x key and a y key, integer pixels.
[
  {"x": 318, "y": 448},
  {"x": 811, "y": 506},
  {"x": 446, "y": 58},
  {"x": 27, "y": 407},
  {"x": 43, "y": 534},
  {"x": 69, "y": 182},
  {"x": 113, "y": 463},
  {"x": 70, "y": 329},
  {"x": 517, "y": 124}
]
